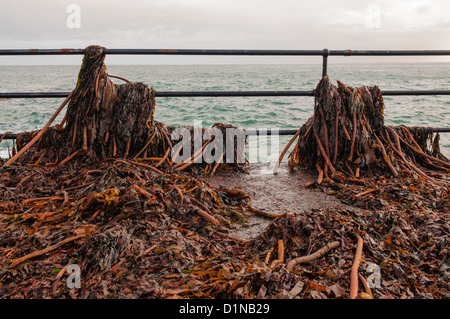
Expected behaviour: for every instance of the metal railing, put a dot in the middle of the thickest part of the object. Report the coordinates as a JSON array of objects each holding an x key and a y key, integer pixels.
[{"x": 325, "y": 53}]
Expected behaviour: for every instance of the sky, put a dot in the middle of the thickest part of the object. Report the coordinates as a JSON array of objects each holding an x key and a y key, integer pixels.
[{"x": 224, "y": 24}]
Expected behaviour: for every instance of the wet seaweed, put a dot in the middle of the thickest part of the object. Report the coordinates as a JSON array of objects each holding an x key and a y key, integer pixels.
[
  {"x": 102, "y": 191},
  {"x": 346, "y": 139},
  {"x": 105, "y": 120}
]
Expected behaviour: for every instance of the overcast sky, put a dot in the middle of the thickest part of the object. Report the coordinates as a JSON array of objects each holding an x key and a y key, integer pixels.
[{"x": 222, "y": 24}]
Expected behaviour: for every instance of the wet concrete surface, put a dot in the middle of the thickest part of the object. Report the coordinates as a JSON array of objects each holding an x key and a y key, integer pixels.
[{"x": 274, "y": 193}]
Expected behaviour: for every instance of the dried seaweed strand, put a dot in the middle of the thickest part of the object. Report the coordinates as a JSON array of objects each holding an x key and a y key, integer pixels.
[
  {"x": 317, "y": 254},
  {"x": 284, "y": 151},
  {"x": 41, "y": 132},
  {"x": 20, "y": 260},
  {"x": 280, "y": 258},
  {"x": 355, "y": 267}
]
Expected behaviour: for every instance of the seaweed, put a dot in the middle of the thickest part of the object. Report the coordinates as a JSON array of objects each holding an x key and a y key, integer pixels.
[
  {"x": 105, "y": 120},
  {"x": 346, "y": 139},
  {"x": 103, "y": 191}
]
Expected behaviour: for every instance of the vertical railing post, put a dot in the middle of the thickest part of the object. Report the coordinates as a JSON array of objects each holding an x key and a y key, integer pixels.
[{"x": 325, "y": 54}]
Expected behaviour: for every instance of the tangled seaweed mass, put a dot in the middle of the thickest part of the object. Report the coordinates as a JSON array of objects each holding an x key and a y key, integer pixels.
[{"x": 102, "y": 191}]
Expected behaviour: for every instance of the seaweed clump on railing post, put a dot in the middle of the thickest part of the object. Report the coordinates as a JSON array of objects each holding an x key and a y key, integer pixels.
[
  {"x": 346, "y": 140},
  {"x": 105, "y": 121}
]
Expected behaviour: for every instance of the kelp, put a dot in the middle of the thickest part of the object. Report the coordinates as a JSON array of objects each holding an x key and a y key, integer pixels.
[
  {"x": 139, "y": 234},
  {"x": 106, "y": 163},
  {"x": 92, "y": 215},
  {"x": 102, "y": 191},
  {"x": 105, "y": 120},
  {"x": 346, "y": 139}
]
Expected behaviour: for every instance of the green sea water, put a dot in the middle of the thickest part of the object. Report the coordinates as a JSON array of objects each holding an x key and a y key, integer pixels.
[{"x": 18, "y": 115}]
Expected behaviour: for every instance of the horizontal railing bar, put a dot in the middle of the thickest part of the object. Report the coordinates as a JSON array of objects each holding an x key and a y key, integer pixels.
[
  {"x": 252, "y": 132},
  {"x": 232, "y": 93},
  {"x": 41, "y": 51},
  {"x": 211, "y": 52},
  {"x": 10, "y": 95},
  {"x": 414, "y": 92},
  {"x": 227, "y": 52},
  {"x": 388, "y": 52},
  {"x": 269, "y": 132},
  {"x": 161, "y": 52},
  {"x": 293, "y": 131},
  {"x": 18, "y": 95},
  {"x": 14, "y": 95},
  {"x": 9, "y": 136}
]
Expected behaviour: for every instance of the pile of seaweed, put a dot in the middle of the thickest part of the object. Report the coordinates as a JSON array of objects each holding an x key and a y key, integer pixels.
[
  {"x": 105, "y": 120},
  {"x": 102, "y": 191},
  {"x": 365, "y": 162},
  {"x": 135, "y": 232},
  {"x": 116, "y": 217},
  {"x": 346, "y": 139}
]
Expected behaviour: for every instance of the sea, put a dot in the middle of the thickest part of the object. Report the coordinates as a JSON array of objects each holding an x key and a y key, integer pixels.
[{"x": 18, "y": 115}]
